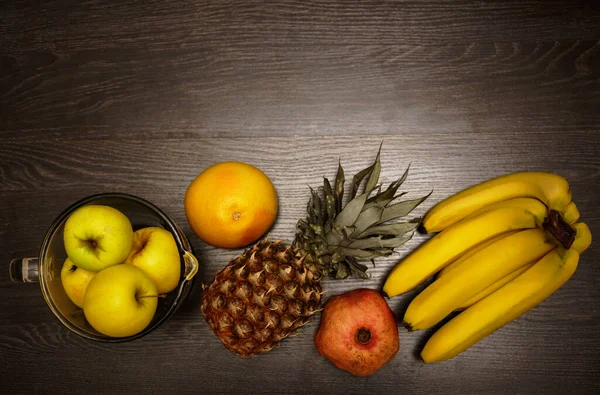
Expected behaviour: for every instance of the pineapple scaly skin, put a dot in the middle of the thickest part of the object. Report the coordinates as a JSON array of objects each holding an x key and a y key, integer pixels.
[
  {"x": 267, "y": 293},
  {"x": 261, "y": 297}
]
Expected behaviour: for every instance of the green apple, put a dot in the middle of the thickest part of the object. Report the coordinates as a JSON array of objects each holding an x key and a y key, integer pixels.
[
  {"x": 97, "y": 237},
  {"x": 120, "y": 301},
  {"x": 75, "y": 281},
  {"x": 155, "y": 252}
]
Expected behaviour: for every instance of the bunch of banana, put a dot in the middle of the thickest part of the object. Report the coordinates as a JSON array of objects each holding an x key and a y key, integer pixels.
[{"x": 503, "y": 246}]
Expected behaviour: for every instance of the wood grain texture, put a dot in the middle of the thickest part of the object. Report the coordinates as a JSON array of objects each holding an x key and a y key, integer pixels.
[
  {"x": 140, "y": 96},
  {"x": 244, "y": 90}
]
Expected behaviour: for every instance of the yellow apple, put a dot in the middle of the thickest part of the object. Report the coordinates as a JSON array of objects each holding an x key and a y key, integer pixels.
[
  {"x": 97, "y": 237},
  {"x": 155, "y": 252},
  {"x": 75, "y": 281},
  {"x": 120, "y": 301}
]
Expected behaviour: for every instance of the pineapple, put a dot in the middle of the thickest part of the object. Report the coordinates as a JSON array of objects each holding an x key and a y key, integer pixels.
[{"x": 267, "y": 293}]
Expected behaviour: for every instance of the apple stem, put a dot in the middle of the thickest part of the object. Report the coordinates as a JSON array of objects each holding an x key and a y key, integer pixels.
[
  {"x": 153, "y": 296},
  {"x": 363, "y": 336}
]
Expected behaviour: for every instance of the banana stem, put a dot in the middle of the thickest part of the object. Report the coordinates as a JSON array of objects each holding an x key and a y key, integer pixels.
[{"x": 556, "y": 225}]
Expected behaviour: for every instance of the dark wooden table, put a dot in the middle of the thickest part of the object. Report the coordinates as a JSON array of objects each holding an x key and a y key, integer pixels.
[{"x": 140, "y": 96}]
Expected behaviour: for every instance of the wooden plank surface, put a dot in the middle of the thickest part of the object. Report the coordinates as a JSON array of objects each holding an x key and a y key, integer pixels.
[{"x": 140, "y": 96}]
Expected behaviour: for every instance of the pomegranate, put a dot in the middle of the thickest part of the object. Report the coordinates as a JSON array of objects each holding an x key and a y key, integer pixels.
[{"x": 358, "y": 332}]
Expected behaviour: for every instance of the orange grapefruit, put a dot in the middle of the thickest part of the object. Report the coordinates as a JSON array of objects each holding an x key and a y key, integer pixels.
[{"x": 231, "y": 204}]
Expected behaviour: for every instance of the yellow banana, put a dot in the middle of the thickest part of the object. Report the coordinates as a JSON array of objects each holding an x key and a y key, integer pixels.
[
  {"x": 580, "y": 244},
  {"x": 443, "y": 248},
  {"x": 571, "y": 213},
  {"x": 550, "y": 188},
  {"x": 497, "y": 285},
  {"x": 501, "y": 307},
  {"x": 475, "y": 274},
  {"x": 469, "y": 253},
  {"x": 583, "y": 237},
  {"x": 507, "y": 303}
]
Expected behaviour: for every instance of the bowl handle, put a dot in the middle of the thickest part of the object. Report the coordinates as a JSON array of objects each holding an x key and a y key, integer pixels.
[
  {"x": 191, "y": 265},
  {"x": 24, "y": 270}
]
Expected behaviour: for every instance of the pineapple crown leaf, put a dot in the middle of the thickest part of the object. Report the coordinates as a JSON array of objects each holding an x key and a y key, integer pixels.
[
  {"x": 365, "y": 254},
  {"x": 389, "y": 229},
  {"x": 371, "y": 171},
  {"x": 358, "y": 268},
  {"x": 379, "y": 242},
  {"x": 389, "y": 194},
  {"x": 335, "y": 236},
  {"x": 374, "y": 176},
  {"x": 351, "y": 212},
  {"x": 330, "y": 206},
  {"x": 401, "y": 209},
  {"x": 338, "y": 192}
]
